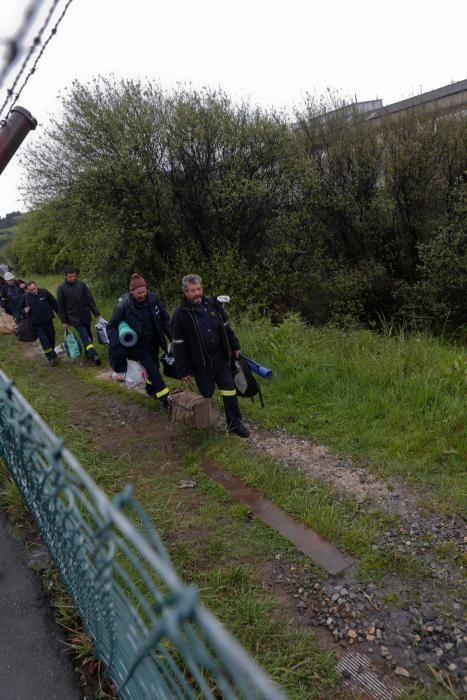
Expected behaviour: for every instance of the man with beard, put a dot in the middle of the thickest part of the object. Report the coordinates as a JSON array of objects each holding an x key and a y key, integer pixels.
[
  {"x": 204, "y": 343},
  {"x": 144, "y": 313}
]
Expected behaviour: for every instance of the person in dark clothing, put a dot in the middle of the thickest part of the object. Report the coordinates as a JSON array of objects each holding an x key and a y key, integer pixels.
[
  {"x": 12, "y": 295},
  {"x": 203, "y": 344},
  {"x": 75, "y": 304},
  {"x": 144, "y": 313},
  {"x": 40, "y": 306}
]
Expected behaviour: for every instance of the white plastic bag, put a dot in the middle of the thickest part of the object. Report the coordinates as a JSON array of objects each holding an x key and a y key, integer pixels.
[
  {"x": 135, "y": 375},
  {"x": 101, "y": 331}
]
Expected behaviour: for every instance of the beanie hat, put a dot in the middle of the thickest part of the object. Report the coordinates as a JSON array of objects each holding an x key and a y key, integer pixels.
[{"x": 136, "y": 281}]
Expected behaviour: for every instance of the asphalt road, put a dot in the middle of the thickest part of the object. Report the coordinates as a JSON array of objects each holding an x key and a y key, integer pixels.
[{"x": 33, "y": 665}]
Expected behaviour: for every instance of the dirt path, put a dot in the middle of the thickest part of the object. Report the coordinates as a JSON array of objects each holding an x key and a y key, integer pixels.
[{"x": 403, "y": 628}]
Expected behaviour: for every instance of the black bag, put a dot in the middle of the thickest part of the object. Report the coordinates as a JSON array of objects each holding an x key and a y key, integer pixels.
[
  {"x": 169, "y": 367},
  {"x": 25, "y": 331},
  {"x": 245, "y": 383}
]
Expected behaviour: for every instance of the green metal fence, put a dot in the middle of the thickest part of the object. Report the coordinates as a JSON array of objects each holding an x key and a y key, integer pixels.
[{"x": 150, "y": 630}]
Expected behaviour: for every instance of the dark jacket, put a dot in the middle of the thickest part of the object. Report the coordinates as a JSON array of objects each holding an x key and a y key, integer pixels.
[
  {"x": 11, "y": 296},
  {"x": 75, "y": 303},
  {"x": 41, "y": 306},
  {"x": 126, "y": 311},
  {"x": 190, "y": 344}
]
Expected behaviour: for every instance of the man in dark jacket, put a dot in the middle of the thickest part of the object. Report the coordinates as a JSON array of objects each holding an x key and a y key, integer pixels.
[
  {"x": 144, "y": 313},
  {"x": 203, "y": 343},
  {"x": 75, "y": 303},
  {"x": 12, "y": 295},
  {"x": 40, "y": 306}
]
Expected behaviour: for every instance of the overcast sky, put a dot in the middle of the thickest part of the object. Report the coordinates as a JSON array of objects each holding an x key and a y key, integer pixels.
[{"x": 271, "y": 52}]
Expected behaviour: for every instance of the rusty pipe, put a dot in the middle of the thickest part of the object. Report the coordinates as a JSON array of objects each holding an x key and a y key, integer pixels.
[{"x": 12, "y": 134}]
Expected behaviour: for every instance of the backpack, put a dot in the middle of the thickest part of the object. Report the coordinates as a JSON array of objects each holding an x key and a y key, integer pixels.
[{"x": 245, "y": 383}]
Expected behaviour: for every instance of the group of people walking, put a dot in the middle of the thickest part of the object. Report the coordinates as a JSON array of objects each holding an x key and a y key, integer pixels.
[{"x": 203, "y": 342}]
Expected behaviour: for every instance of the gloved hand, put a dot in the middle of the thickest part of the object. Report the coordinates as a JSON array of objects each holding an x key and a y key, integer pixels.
[{"x": 102, "y": 319}]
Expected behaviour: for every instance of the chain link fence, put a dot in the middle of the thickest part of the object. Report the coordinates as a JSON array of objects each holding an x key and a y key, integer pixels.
[{"x": 155, "y": 638}]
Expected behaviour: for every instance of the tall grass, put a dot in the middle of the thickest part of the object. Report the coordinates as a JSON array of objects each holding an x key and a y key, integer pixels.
[{"x": 398, "y": 400}]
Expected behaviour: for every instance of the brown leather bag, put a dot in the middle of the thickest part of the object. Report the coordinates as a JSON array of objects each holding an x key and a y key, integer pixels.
[{"x": 192, "y": 409}]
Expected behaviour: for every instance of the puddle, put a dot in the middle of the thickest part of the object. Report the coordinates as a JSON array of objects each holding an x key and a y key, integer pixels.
[{"x": 323, "y": 552}]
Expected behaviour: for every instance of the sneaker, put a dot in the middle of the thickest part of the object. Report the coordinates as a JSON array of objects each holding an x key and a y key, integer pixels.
[
  {"x": 53, "y": 362},
  {"x": 97, "y": 360},
  {"x": 240, "y": 430}
]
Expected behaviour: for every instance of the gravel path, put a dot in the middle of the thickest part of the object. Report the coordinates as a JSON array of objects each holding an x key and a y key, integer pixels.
[{"x": 416, "y": 627}]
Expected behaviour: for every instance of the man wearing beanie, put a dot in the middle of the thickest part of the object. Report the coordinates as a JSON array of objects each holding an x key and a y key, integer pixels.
[{"x": 144, "y": 313}]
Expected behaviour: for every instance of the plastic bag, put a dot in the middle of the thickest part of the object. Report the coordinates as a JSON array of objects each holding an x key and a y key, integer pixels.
[
  {"x": 72, "y": 345},
  {"x": 135, "y": 375},
  {"x": 101, "y": 331}
]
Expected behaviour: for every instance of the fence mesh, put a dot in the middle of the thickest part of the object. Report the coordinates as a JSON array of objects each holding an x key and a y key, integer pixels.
[{"x": 149, "y": 628}]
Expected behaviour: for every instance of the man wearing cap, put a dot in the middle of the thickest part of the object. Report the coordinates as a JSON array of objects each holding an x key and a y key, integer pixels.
[
  {"x": 75, "y": 304},
  {"x": 204, "y": 344},
  {"x": 143, "y": 312},
  {"x": 12, "y": 295}
]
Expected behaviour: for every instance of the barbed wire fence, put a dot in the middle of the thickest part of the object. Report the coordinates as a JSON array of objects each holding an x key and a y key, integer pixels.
[
  {"x": 149, "y": 628},
  {"x": 12, "y": 96},
  {"x": 14, "y": 44}
]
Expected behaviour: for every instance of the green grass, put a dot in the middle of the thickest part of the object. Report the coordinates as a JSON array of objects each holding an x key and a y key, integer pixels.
[
  {"x": 355, "y": 528},
  {"x": 399, "y": 401},
  {"x": 222, "y": 559},
  {"x": 395, "y": 400}
]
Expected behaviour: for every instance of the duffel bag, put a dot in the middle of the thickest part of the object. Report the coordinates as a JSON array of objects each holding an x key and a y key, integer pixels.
[
  {"x": 25, "y": 331},
  {"x": 192, "y": 409}
]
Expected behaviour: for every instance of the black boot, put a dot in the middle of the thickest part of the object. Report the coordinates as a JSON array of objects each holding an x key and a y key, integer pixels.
[{"x": 239, "y": 429}]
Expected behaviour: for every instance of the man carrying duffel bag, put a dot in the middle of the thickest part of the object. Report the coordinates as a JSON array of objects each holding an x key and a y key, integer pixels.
[
  {"x": 203, "y": 344},
  {"x": 40, "y": 306}
]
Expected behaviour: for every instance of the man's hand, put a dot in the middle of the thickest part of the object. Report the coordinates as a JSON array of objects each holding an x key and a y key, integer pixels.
[
  {"x": 237, "y": 353},
  {"x": 27, "y": 309},
  {"x": 66, "y": 326},
  {"x": 187, "y": 379}
]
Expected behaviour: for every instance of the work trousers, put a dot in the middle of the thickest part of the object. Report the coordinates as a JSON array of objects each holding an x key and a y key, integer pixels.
[
  {"x": 46, "y": 334},
  {"x": 146, "y": 354},
  {"x": 220, "y": 374},
  {"x": 84, "y": 332}
]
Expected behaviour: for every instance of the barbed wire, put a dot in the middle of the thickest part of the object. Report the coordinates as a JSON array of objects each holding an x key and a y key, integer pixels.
[
  {"x": 37, "y": 39},
  {"x": 14, "y": 43}
]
